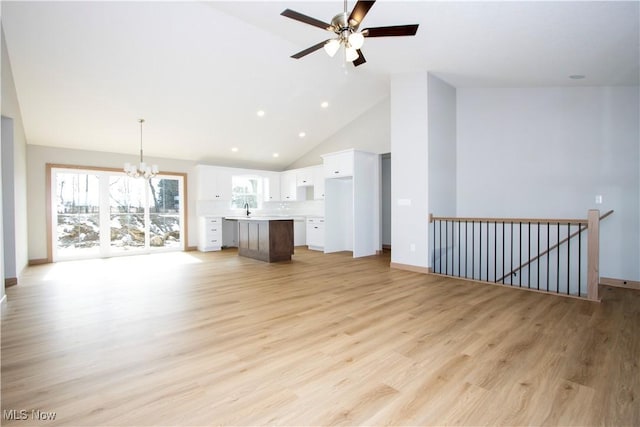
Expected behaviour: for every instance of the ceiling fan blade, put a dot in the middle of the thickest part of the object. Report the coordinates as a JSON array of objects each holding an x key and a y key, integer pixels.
[
  {"x": 360, "y": 59},
  {"x": 305, "y": 19},
  {"x": 394, "y": 31},
  {"x": 309, "y": 50},
  {"x": 359, "y": 11}
]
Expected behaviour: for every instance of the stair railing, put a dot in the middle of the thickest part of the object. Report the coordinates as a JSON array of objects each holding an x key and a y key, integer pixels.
[{"x": 546, "y": 255}]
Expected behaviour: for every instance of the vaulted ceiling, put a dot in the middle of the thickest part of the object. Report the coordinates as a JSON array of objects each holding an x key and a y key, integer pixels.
[{"x": 199, "y": 72}]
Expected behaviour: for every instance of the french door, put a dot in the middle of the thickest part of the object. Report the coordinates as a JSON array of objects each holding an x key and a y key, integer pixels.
[{"x": 105, "y": 213}]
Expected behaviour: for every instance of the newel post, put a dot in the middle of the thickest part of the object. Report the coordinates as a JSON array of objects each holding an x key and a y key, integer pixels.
[{"x": 593, "y": 254}]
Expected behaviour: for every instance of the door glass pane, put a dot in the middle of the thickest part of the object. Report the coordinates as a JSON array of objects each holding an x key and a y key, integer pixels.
[
  {"x": 100, "y": 213},
  {"x": 164, "y": 213},
  {"x": 78, "y": 218},
  {"x": 126, "y": 213}
]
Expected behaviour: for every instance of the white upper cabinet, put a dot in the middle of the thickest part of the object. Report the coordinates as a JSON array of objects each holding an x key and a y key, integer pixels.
[
  {"x": 295, "y": 182},
  {"x": 288, "y": 186},
  {"x": 304, "y": 177},
  {"x": 318, "y": 182},
  {"x": 338, "y": 164},
  {"x": 271, "y": 191},
  {"x": 223, "y": 184},
  {"x": 213, "y": 182}
]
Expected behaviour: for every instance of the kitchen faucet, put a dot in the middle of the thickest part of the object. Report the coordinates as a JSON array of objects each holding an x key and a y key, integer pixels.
[{"x": 246, "y": 206}]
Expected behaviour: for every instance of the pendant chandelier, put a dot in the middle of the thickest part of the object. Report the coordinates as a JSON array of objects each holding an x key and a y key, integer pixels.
[{"x": 142, "y": 170}]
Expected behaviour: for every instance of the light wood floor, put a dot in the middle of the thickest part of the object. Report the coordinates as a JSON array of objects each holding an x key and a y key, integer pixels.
[{"x": 207, "y": 339}]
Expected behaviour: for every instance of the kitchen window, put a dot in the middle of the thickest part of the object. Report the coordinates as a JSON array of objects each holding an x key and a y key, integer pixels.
[{"x": 246, "y": 189}]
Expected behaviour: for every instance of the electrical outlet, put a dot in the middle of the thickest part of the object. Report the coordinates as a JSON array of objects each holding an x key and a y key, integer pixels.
[
  {"x": 599, "y": 199},
  {"x": 412, "y": 247}
]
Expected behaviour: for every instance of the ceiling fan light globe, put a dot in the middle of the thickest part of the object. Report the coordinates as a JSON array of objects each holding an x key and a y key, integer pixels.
[
  {"x": 356, "y": 40},
  {"x": 331, "y": 47},
  {"x": 351, "y": 54}
]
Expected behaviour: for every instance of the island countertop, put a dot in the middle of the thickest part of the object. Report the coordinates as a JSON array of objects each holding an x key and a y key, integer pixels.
[{"x": 264, "y": 218}]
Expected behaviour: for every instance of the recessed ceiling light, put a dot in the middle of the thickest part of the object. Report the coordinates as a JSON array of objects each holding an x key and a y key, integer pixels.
[
  {"x": 260, "y": 113},
  {"x": 302, "y": 134},
  {"x": 324, "y": 104},
  {"x": 276, "y": 155},
  {"x": 576, "y": 76},
  {"x": 234, "y": 149}
]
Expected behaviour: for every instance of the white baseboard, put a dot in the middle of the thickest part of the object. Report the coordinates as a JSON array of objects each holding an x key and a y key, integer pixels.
[{"x": 407, "y": 267}]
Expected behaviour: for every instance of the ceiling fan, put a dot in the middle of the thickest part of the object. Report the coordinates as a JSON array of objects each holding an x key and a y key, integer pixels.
[{"x": 345, "y": 26}]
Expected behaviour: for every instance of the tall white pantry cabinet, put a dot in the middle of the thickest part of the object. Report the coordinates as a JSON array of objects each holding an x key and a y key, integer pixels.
[{"x": 352, "y": 202}]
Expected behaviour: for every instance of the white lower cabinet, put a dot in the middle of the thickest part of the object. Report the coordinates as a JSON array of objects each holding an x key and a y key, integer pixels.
[
  {"x": 299, "y": 232},
  {"x": 210, "y": 234},
  {"x": 315, "y": 233}
]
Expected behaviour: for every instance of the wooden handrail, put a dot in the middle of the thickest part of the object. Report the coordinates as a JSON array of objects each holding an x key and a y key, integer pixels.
[
  {"x": 540, "y": 255},
  {"x": 510, "y": 220}
]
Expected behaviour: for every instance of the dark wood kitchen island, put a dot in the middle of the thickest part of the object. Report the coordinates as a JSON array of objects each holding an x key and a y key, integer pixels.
[{"x": 265, "y": 238}]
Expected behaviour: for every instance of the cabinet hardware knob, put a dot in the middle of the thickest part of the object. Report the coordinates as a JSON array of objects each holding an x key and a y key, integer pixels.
[{"x": 336, "y": 171}]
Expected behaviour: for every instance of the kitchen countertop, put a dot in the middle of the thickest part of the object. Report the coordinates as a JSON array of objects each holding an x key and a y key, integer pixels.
[{"x": 264, "y": 218}]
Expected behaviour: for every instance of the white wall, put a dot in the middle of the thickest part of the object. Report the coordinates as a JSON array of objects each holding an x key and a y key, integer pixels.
[
  {"x": 547, "y": 152},
  {"x": 3, "y": 298},
  {"x": 368, "y": 132},
  {"x": 2, "y": 291},
  {"x": 11, "y": 108},
  {"x": 8, "y": 200},
  {"x": 409, "y": 174},
  {"x": 442, "y": 147},
  {"x": 39, "y": 156}
]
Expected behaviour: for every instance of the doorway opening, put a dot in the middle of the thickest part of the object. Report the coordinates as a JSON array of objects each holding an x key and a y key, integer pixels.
[{"x": 385, "y": 200}]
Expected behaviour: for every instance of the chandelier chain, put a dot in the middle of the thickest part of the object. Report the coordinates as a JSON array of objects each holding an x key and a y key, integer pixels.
[
  {"x": 141, "y": 121},
  {"x": 142, "y": 170}
]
